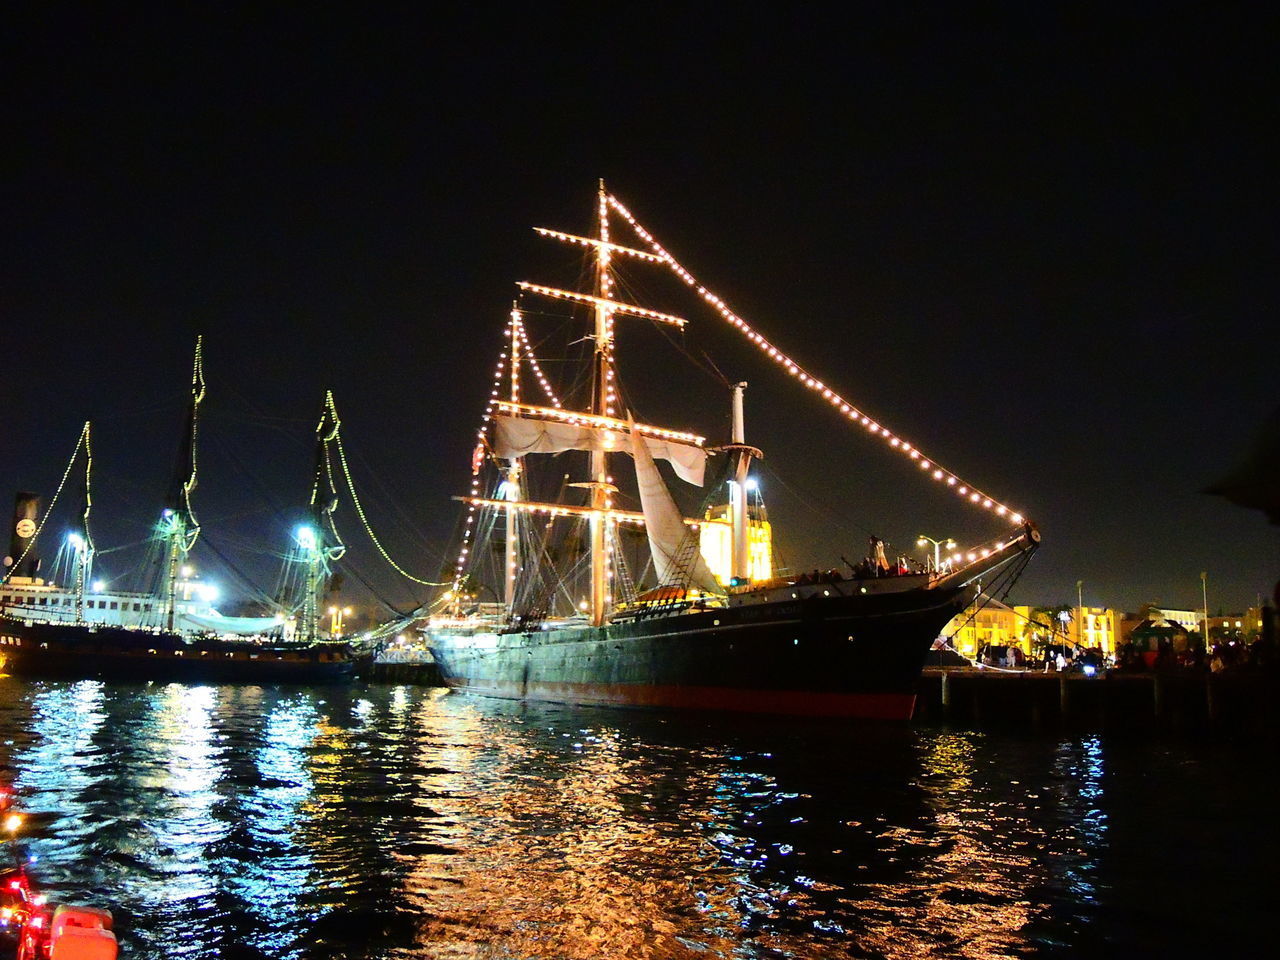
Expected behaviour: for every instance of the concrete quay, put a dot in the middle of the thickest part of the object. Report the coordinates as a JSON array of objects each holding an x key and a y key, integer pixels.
[{"x": 1235, "y": 703}]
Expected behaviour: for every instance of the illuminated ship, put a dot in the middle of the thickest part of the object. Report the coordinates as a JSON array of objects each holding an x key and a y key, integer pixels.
[
  {"x": 173, "y": 633},
  {"x": 701, "y": 623}
]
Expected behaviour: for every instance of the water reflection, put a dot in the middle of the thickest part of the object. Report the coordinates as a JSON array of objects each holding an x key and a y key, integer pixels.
[{"x": 400, "y": 822}]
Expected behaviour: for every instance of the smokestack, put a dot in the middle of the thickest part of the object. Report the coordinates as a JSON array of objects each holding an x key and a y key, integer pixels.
[{"x": 26, "y": 517}]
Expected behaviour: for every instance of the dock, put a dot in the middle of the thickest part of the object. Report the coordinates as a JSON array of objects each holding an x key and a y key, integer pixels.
[
  {"x": 1245, "y": 703},
  {"x": 424, "y": 673}
]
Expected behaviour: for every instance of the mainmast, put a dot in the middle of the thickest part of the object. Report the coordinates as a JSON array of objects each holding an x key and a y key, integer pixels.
[
  {"x": 601, "y": 407},
  {"x": 521, "y": 428}
]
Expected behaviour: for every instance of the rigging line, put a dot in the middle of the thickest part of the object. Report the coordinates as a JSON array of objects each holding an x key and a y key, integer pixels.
[
  {"x": 351, "y": 488},
  {"x": 126, "y": 546},
  {"x": 349, "y": 567},
  {"x": 814, "y": 506},
  {"x": 235, "y": 570},
  {"x": 273, "y": 423},
  {"x": 1004, "y": 582},
  {"x": 262, "y": 490},
  {"x": 533, "y": 361},
  {"x": 409, "y": 522},
  {"x": 678, "y": 340},
  {"x": 82, "y": 440}
]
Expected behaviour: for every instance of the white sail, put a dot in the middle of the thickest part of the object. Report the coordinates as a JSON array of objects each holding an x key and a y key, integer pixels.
[
  {"x": 518, "y": 436},
  {"x": 664, "y": 523}
]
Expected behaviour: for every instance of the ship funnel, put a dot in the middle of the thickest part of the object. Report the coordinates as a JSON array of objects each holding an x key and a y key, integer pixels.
[{"x": 22, "y": 560}]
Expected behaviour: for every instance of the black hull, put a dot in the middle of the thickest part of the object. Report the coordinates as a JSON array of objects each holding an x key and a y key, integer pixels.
[
  {"x": 832, "y": 652},
  {"x": 111, "y": 653}
]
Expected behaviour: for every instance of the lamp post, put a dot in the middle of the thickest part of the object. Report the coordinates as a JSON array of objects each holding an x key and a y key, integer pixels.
[
  {"x": 1079, "y": 611},
  {"x": 937, "y": 548},
  {"x": 1204, "y": 595}
]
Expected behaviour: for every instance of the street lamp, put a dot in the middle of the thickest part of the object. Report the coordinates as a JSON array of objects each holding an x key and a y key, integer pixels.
[
  {"x": 1204, "y": 595},
  {"x": 937, "y": 549},
  {"x": 1079, "y": 611}
]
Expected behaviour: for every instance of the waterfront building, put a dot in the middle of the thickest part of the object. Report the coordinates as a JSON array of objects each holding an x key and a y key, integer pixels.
[
  {"x": 995, "y": 624},
  {"x": 1024, "y": 626},
  {"x": 1095, "y": 627},
  {"x": 1245, "y": 626}
]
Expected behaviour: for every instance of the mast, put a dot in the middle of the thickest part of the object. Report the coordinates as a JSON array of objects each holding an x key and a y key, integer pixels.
[
  {"x": 603, "y": 391},
  {"x": 520, "y": 428},
  {"x": 318, "y": 541},
  {"x": 178, "y": 525},
  {"x": 738, "y": 495},
  {"x": 82, "y": 541},
  {"x": 513, "y": 479}
]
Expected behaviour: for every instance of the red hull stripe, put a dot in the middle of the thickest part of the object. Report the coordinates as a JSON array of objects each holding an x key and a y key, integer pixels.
[{"x": 871, "y": 706}]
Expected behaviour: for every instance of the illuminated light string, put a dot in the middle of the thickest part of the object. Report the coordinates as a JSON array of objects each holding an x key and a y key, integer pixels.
[
  {"x": 602, "y": 244},
  {"x": 527, "y": 351},
  {"x": 968, "y": 492},
  {"x": 606, "y": 291},
  {"x": 81, "y": 441},
  {"x": 612, "y": 305},
  {"x": 477, "y": 460},
  {"x": 591, "y": 419},
  {"x": 89, "y": 548},
  {"x": 514, "y": 334}
]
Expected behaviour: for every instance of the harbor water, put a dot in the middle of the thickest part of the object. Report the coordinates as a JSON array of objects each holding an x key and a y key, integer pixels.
[{"x": 403, "y": 822}]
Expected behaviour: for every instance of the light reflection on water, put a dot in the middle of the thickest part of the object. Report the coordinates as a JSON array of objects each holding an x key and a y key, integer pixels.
[{"x": 225, "y": 822}]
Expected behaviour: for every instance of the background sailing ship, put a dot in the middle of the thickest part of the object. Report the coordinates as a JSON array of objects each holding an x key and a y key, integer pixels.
[
  {"x": 172, "y": 631},
  {"x": 702, "y": 620}
]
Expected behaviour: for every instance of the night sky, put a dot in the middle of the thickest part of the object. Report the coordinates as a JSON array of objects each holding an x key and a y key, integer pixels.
[{"x": 1040, "y": 246}]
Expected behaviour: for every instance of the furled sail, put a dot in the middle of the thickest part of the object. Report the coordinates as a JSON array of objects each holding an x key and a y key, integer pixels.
[
  {"x": 518, "y": 436},
  {"x": 665, "y": 524}
]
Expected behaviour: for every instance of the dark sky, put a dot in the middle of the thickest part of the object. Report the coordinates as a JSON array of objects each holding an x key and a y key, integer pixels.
[{"x": 1042, "y": 246}]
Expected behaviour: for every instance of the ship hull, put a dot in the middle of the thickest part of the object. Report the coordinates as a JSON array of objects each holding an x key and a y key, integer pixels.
[
  {"x": 823, "y": 654},
  {"x": 72, "y": 651}
]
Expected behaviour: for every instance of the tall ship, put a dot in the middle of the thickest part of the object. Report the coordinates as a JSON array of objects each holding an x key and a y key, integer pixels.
[
  {"x": 84, "y": 628},
  {"x": 558, "y": 596}
]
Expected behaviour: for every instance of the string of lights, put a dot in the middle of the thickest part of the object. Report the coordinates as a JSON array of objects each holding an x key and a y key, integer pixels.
[
  {"x": 613, "y": 306},
  {"x": 967, "y": 491},
  {"x": 601, "y": 244},
  {"x": 527, "y": 351},
  {"x": 82, "y": 440},
  {"x": 590, "y": 419},
  {"x": 188, "y": 531},
  {"x": 89, "y": 548},
  {"x": 477, "y": 461}
]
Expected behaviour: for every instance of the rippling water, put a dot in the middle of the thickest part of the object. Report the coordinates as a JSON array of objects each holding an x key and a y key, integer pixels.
[{"x": 401, "y": 822}]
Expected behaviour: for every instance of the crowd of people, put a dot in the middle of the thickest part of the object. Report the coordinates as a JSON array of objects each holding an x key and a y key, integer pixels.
[{"x": 1225, "y": 655}]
